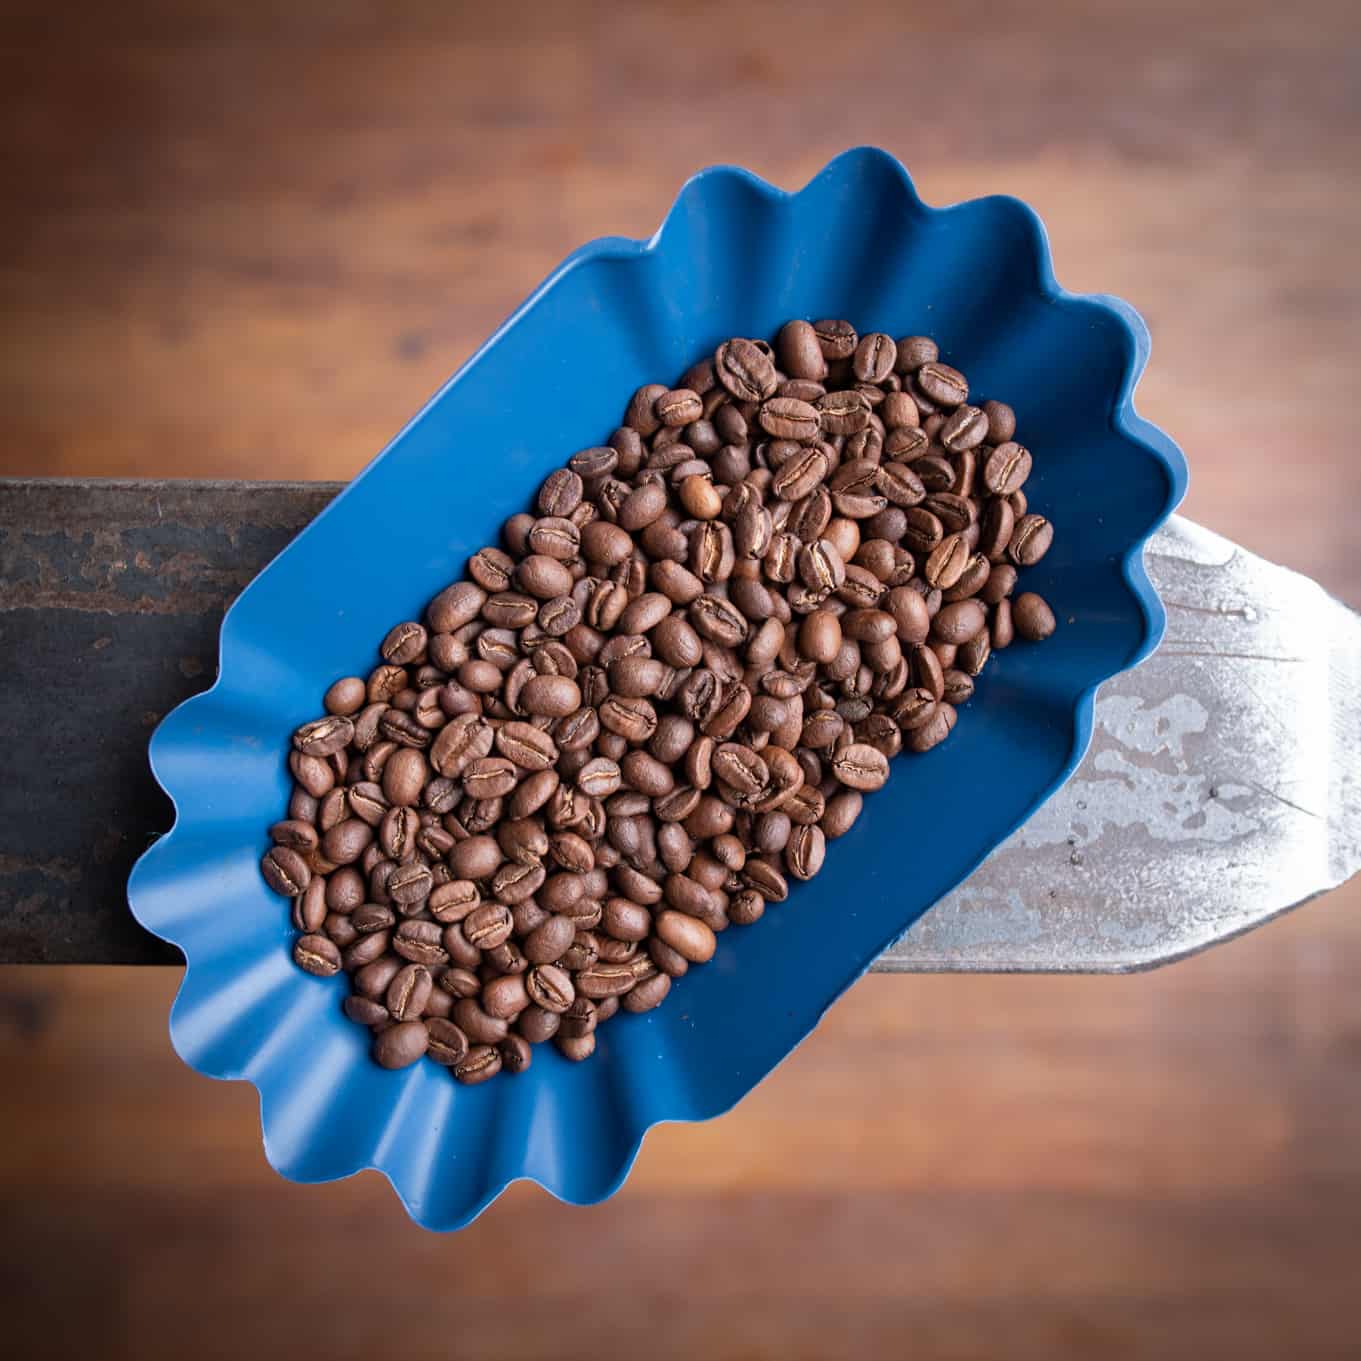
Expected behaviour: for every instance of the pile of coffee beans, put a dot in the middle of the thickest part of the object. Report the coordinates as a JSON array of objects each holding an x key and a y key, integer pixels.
[{"x": 651, "y": 706}]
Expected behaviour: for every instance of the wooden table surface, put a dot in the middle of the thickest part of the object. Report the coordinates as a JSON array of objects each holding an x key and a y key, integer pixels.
[{"x": 242, "y": 239}]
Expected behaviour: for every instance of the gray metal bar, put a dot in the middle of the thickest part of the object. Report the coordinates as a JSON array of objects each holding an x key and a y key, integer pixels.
[{"x": 1223, "y": 785}]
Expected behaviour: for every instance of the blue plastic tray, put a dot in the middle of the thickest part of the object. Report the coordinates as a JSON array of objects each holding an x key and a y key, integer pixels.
[{"x": 734, "y": 257}]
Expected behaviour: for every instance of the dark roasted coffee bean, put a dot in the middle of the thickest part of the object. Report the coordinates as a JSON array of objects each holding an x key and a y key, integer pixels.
[
  {"x": 479, "y": 1027},
  {"x": 789, "y": 418},
  {"x": 837, "y": 339},
  {"x": 999, "y": 584},
  {"x": 285, "y": 871},
  {"x": 324, "y": 736},
  {"x": 479, "y": 1064},
  {"x": 942, "y": 384},
  {"x": 799, "y": 352},
  {"x": 946, "y": 562},
  {"x": 560, "y": 492},
  {"x": 959, "y": 622},
  {"x": 874, "y": 357},
  {"x": 317, "y": 955},
  {"x": 488, "y": 925},
  {"x": 1001, "y": 629},
  {"x": 1032, "y": 617},
  {"x": 650, "y": 993},
  {"x": 298, "y": 835},
  {"x": 576, "y": 1049},
  {"x": 447, "y": 1044},
  {"x": 859, "y": 766},
  {"x": 420, "y": 942},
  {"x": 549, "y": 986},
  {"x": 745, "y": 370},
  {"x": 1006, "y": 468},
  {"x": 1001, "y": 422},
  {"x": 804, "y": 854},
  {"x": 966, "y": 428},
  {"x": 410, "y": 884},
  {"x": 913, "y": 352},
  {"x": 345, "y": 697},
  {"x": 408, "y": 992},
  {"x": 365, "y": 1011},
  {"x": 538, "y": 1025},
  {"x": 344, "y": 843},
  {"x": 1030, "y": 540},
  {"x": 923, "y": 531},
  {"x": 399, "y": 1046},
  {"x": 841, "y": 813}
]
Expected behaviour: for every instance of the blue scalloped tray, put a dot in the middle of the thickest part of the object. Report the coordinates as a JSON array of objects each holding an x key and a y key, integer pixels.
[{"x": 735, "y": 256}]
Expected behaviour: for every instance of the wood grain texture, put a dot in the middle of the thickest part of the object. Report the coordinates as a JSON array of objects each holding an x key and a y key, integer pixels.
[{"x": 243, "y": 239}]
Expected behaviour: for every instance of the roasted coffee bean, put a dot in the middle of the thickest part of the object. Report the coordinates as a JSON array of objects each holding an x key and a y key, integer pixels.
[
  {"x": 1001, "y": 628},
  {"x": 576, "y": 1050},
  {"x": 874, "y": 358},
  {"x": 841, "y": 813},
  {"x": 317, "y": 955},
  {"x": 1032, "y": 617},
  {"x": 488, "y": 925},
  {"x": 285, "y": 871},
  {"x": 799, "y": 353},
  {"x": 447, "y": 1044},
  {"x": 973, "y": 655},
  {"x": 364, "y": 1011},
  {"x": 344, "y": 843},
  {"x": 804, "y": 854},
  {"x": 946, "y": 562},
  {"x": 298, "y": 835},
  {"x": 745, "y": 369},
  {"x": 650, "y": 993},
  {"x": 789, "y": 418},
  {"x": 537, "y": 1025},
  {"x": 859, "y": 766},
  {"x": 1006, "y": 469},
  {"x": 479, "y": 1064},
  {"x": 346, "y": 697},
  {"x": 410, "y": 884},
  {"x": 420, "y": 942},
  {"x": 408, "y": 992},
  {"x": 324, "y": 736},
  {"x": 453, "y": 901},
  {"x": 399, "y": 1046},
  {"x": 550, "y": 987},
  {"x": 999, "y": 585},
  {"x": 479, "y": 1027},
  {"x": 959, "y": 622},
  {"x": 942, "y": 384},
  {"x": 504, "y": 998},
  {"x": 1030, "y": 540},
  {"x": 685, "y": 934},
  {"x": 550, "y": 696},
  {"x": 1001, "y": 422},
  {"x": 837, "y": 339},
  {"x": 515, "y": 1054}
]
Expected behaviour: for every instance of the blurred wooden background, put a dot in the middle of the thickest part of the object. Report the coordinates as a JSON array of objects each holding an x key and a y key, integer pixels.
[{"x": 243, "y": 239}]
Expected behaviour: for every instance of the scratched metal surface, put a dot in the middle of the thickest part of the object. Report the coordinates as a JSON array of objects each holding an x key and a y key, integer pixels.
[{"x": 1223, "y": 784}]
